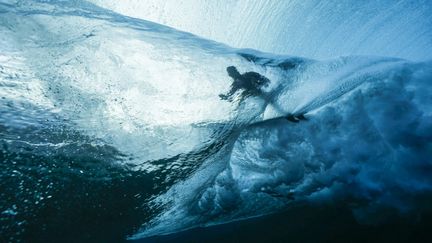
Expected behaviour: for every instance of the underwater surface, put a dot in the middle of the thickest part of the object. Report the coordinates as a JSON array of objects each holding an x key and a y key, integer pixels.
[{"x": 114, "y": 128}]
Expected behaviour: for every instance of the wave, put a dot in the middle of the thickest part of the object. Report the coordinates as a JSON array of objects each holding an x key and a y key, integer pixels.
[
  {"x": 97, "y": 96},
  {"x": 311, "y": 28}
]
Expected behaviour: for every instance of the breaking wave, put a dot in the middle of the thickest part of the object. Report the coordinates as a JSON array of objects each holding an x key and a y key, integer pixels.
[{"x": 109, "y": 110}]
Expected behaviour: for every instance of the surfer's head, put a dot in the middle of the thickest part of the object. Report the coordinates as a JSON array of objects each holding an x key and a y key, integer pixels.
[{"x": 232, "y": 72}]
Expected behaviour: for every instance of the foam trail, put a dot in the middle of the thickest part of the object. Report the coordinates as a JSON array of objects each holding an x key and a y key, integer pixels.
[{"x": 347, "y": 82}]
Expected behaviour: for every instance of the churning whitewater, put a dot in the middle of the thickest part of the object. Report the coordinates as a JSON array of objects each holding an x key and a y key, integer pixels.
[{"x": 124, "y": 116}]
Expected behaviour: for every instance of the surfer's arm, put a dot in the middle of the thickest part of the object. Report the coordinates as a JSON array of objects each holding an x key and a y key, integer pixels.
[
  {"x": 232, "y": 90},
  {"x": 230, "y": 93}
]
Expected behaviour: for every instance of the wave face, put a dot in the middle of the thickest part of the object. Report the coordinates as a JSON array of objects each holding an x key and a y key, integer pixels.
[
  {"x": 310, "y": 28},
  {"x": 113, "y": 126}
]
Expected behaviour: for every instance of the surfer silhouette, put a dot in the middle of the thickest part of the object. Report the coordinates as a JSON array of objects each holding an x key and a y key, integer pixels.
[{"x": 249, "y": 82}]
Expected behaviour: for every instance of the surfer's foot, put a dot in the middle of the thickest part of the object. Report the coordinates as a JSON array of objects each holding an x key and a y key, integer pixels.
[
  {"x": 296, "y": 118},
  {"x": 301, "y": 117},
  {"x": 291, "y": 118}
]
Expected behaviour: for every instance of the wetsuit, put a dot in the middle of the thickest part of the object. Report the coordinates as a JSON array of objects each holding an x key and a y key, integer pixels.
[{"x": 249, "y": 82}]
